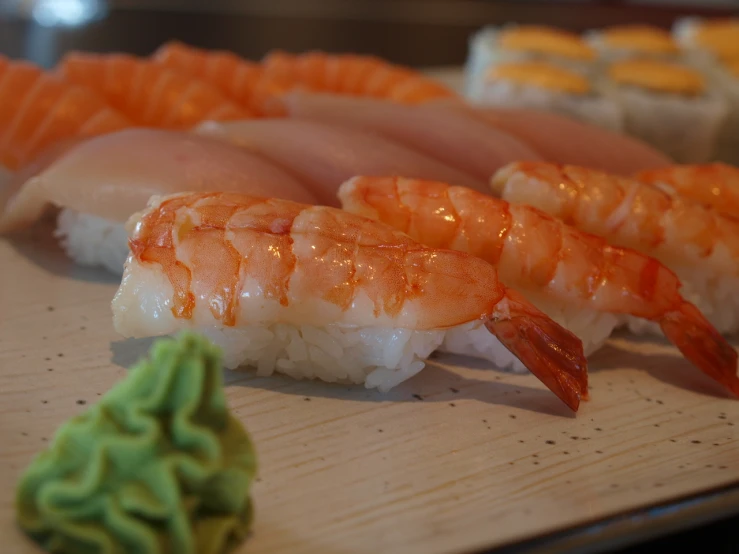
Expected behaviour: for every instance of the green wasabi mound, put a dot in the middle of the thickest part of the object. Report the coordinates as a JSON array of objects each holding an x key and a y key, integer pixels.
[{"x": 158, "y": 465}]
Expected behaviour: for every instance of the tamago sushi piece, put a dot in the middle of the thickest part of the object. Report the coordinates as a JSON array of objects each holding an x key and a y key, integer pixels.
[
  {"x": 699, "y": 244},
  {"x": 157, "y": 465},
  {"x": 578, "y": 279},
  {"x": 99, "y": 183},
  {"x": 317, "y": 292}
]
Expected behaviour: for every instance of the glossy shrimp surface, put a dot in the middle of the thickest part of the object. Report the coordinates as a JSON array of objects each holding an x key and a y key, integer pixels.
[
  {"x": 715, "y": 185},
  {"x": 149, "y": 93},
  {"x": 245, "y": 82},
  {"x": 534, "y": 251},
  {"x": 235, "y": 260},
  {"x": 355, "y": 75},
  {"x": 38, "y": 110},
  {"x": 625, "y": 212}
]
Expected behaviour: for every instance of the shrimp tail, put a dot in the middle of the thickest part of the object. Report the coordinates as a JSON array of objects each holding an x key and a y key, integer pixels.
[
  {"x": 702, "y": 344},
  {"x": 548, "y": 350}
]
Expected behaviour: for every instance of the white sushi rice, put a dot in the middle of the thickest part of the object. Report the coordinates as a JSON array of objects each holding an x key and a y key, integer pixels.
[
  {"x": 594, "y": 108},
  {"x": 92, "y": 241},
  {"x": 376, "y": 357},
  {"x": 473, "y": 339},
  {"x": 684, "y": 128}
]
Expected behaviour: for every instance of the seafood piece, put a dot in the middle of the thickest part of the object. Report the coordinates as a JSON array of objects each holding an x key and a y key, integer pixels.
[
  {"x": 317, "y": 292},
  {"x": 448, "y": 136},
  {"x": 100, "y": 183},
  {"x": 324, "y": 156},
  {"x": 39, "y": 109},
  {"x": 578, "y": 279},
  {"x": 715, "y": 184},
  {"x": 561, "y": 139},
  {"x": 149, "y": 93},
  {"x": 355, "y": 75},
  {"x": 700, "y": 245},
  {"x": 245, "y": 82}
]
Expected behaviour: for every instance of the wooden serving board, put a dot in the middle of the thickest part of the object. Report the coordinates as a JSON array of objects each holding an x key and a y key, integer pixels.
[{"x": 458, "y": 458}]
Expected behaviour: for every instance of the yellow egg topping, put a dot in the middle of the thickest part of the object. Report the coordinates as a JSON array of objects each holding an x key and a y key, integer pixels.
[
  {"x": 545, "y": 40},
  {"x": 541, "y": 75},
  {"x": 640, "y": 38},
  {"x": 720, "y": 36},
  {"x": 658, "y": 76}
]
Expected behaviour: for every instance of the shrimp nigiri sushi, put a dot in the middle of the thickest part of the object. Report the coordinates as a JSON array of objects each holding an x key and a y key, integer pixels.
[
  {"x": 317, "y": 292},
  {"x": 696, "y": 242},
  {"x": 578, "y": 279}
]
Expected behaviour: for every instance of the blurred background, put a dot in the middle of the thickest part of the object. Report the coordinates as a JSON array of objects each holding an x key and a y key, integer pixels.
[{"x": 419, "y": 33}]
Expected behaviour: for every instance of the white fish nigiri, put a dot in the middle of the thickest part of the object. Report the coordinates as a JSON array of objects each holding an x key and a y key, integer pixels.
[
  {"x": 325, "y": 155},
  {"x": 100, "y": 182},
  {"x": 451, "y": 137},
  {"x": 560, "y": 139}
]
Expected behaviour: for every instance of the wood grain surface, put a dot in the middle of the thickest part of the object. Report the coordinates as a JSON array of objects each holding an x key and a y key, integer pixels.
[{"x": 460, "y": 457}]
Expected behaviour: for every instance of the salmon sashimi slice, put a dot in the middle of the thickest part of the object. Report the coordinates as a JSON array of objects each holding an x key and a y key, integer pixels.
[
  {"x": 149, "y": 93},
  {"x": 355, "y": 75},
  {"x": 246, "y": 83},
  {"x": 40, "y": 109}
]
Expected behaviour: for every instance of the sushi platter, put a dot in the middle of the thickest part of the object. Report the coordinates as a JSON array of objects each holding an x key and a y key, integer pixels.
[
  {"x": 457, "y": 459},
  {"x": 365, "y": 377}
]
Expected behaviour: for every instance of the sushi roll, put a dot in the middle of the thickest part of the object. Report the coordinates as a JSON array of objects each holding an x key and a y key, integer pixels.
[
  {"x": 633, "y": 41},
  {"x": 492, "y": 45},
  {"x": 726, "y": 80},
  {"x": 317, "y": 292},
  {"x": 668, "y": 105},
  {"x": 544, "y": 86},
  {"x": 707, "y": 40}
]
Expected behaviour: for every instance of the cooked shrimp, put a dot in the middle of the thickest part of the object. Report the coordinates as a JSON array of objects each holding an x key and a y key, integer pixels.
[
  {"x": 700, "y": 245},
  {"x": 231, "y": 261},
  {"x": 714, "y": 184},
  {"x": 536, "y": 252},
  {"x": 355, "y": 75},
  {"x": 247, "y": 83},
  {"x": 38, "y": 110},
  {"x": 149, "y": 93}
]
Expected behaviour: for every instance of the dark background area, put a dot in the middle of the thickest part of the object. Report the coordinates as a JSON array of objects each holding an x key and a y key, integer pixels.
[
  {"x": 412, "y": 32},
  {"x": 418, "y": 33}
]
